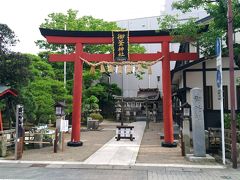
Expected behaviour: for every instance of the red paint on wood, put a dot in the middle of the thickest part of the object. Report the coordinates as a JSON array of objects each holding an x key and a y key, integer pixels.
[
  {"x": 97, "y": 57},
  {"x": 167, "y": 95},
  {"x": 74, "y": 40},
  {"x": 145, "y": 57},
  {"x": 77, "y": 95},
  {"x": 105, "y": 40},
  {"x": 103, "y": 57},
  {"x": 132, "y": 57},
  {"x": 62, "y": 57},
  {"x": 183, "y": 56},
  {"x": 149, "y": 39}
]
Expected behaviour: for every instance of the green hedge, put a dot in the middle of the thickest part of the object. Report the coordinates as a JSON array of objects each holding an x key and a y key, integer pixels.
[
  {"x": 96, "y": 116},
  {"x": 227, "y": 121}
]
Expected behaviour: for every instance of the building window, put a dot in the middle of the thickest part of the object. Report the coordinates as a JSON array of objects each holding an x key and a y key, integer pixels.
[
  {"x": 238, "y": 96},
  {"x": 209, "y": 97},
  {"x": 225, "y": 97}
]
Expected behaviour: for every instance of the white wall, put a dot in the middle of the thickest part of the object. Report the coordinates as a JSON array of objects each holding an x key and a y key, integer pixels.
[
  {"x": 237, "y": 38},
  {"x": 211, "y": 81},
  {"x": 193, "y": 79}
]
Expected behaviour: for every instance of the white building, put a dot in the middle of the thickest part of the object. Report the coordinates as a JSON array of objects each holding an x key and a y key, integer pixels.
[
  {"x": 202, "y": 74},
  {"x": 129, "y": 83}
]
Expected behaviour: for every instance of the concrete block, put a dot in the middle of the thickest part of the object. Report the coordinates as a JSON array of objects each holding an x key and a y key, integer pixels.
[
  {"x": 3, "y": 146},
  {"x": 38, "y": 138},
  {"x": 198, "y": 132},
  {"x": 206, "y": 159},
  {"x": 92, "y": 124}
]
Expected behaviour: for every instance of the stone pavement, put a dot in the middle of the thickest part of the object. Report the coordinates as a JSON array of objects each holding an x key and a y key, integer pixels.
[
  {"x": 122, "y": 152},
  {"x": 110, "y": 172},
  {"x": 152, "y": 152}
]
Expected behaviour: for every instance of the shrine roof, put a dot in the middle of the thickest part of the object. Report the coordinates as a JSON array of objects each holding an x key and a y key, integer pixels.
[
  {"x": 130, "y": 99},
  {"x": 149, "y": 93},
  {"x": 61, "y": 104},
  {"x": 63, "y": 33},
  {"x": 4, "y": 90},
  {"x": 187, "y": 65}
]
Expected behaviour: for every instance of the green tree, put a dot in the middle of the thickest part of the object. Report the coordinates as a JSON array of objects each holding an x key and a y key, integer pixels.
[
  {"x": 216, "y": 27},
  {"x": 7, "y": 39},
  {"x": 107, "y": 102},
  {"x": 34, "y": 80},
  {"x": 42, "y": 92},
  {"x": 14, "y": 72},
  {"x": 40, "y": 96},
  {"x": 70, "y": 21},
  {"x": 92, "y": 90}
]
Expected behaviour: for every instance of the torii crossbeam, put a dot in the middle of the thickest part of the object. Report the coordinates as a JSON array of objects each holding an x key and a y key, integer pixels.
[{"x": 79, "y": 38}]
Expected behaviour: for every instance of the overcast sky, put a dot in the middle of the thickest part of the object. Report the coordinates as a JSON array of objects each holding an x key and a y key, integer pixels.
[{"x": 25, "y": 16}]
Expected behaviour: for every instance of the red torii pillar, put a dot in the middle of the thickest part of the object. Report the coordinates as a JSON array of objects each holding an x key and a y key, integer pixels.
[
  {"x": 77, "y": 98},
  {"x": 78, "y": 38},
  {"x": 167, "y": 97}
]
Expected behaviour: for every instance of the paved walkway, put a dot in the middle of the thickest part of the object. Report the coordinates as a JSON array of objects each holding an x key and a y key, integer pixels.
[
  {"x": 123, "y": 152},
  {"x": 151, "y": 151}
]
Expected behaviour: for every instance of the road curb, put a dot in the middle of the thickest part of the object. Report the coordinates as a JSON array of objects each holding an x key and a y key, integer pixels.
[{"x": 70, "y": 164}]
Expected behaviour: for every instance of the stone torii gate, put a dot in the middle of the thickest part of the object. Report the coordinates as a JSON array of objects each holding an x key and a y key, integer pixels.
[{"x": 79, "y": 38}]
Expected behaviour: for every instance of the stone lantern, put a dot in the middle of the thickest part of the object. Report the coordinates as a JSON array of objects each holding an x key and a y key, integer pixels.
[
  {"x": 118, "y": 110},
  {"x": 59, "y": 109}
]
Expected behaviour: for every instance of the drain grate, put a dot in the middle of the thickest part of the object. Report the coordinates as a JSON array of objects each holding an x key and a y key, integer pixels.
[
  {"x": 225, "y": 177},
  {"x": 38, "y": 165}
]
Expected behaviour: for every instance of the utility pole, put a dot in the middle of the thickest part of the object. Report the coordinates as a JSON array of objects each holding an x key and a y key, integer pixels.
[{"x": 232, "y": 84}]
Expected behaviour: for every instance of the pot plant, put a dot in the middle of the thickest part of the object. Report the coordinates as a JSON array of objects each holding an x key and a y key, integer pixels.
[{"x": 93, "y": 113}]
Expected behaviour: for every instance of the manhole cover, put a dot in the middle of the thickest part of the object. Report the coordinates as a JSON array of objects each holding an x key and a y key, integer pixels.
[
  {"x": 225, "y": 177},
  {"x": 38, "y": 165}
]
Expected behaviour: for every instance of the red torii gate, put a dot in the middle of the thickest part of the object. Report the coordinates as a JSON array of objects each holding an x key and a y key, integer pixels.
[{"x": 79, "y": 38}]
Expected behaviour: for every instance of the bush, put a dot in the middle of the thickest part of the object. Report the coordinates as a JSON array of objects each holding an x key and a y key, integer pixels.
[
  {"x": 96, "y": 116},
  {"x": 227, "y": 120}
]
